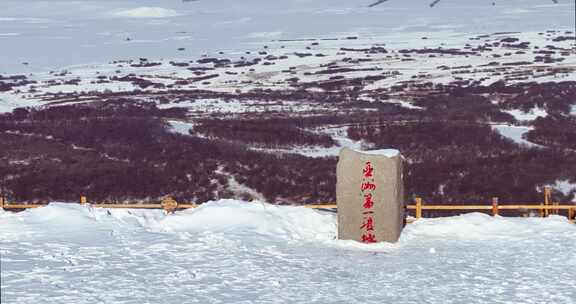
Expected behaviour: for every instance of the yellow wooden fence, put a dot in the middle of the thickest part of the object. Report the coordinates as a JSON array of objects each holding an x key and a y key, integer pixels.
[{"x": 544, "y": 208}]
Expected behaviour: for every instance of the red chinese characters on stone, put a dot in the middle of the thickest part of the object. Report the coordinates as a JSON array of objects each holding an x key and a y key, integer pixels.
[
  {"x": 368, "y": 202},
  {"x": 368, "y": 224},
  {"x": 368, "y": 170},
  {"x": 367, "y": 187},
  {"x": 369, "y": 238}
]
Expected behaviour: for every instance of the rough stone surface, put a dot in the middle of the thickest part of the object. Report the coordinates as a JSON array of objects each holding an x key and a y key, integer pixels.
[{"x": 387, "y": 196}]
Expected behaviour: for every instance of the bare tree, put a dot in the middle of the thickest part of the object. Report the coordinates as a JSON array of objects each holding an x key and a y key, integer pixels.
[
  {"x": 377, "y": 3},
  {"x": 434, "y": 3}
]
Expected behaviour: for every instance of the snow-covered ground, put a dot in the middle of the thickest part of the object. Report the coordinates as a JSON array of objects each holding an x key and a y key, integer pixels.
[
  {"x": 515, "y": 133},
  {"x": 527, "y": 116},
  {"x": 237, "y": 252},
  {"x": 338, "y": 134},
  {"x": 180, "y": 127},
  {"x": 35, "y": 33},
  {"x": 565, "y": 186},
  {"x": 292, "y": 38}
]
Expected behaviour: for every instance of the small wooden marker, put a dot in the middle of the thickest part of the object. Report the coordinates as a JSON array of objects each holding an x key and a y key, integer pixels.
[
  {"x": 83, "y": 200},
  {"x": 169, "y": 204},
  {"x": 1, "y": 202}
]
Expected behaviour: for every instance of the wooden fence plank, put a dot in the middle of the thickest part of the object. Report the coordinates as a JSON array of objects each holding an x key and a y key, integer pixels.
[
  {"x": 22, "y": 206},
  {"x": 322, "y": 206},
  {"x": 129, "y": 206},
  {"x": 418, "y": 207}
]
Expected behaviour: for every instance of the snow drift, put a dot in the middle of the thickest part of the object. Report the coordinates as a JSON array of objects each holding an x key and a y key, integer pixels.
[{"x": 230, "y": 251}]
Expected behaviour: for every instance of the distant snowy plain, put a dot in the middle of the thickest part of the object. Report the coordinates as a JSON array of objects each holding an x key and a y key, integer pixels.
[
  {"x": 40, "y": 35},
  {"x": 238, "y": 252}
]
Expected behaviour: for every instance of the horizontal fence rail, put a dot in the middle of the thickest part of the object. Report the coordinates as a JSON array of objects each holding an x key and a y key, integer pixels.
[
  {"x": 545, "y": 208},
  {"x": 489, "y": 207}
]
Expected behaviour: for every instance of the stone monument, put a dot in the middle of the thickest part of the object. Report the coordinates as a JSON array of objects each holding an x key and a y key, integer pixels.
[{"x": 370, "y": 195}]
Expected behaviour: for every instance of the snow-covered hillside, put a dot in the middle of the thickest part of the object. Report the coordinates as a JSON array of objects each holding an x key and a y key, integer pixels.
[{"x": 238, "y": 252}]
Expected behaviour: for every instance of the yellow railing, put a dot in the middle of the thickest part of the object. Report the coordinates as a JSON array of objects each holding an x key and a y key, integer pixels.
[
  {"x": 167, "y": 204},
  {"x": 495, "y": 208},
  {"x": 545, "y": 208}
]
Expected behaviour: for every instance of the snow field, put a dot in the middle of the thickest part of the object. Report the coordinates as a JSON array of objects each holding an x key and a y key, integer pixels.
[
  {"x": 515, "y": 133},
  {"x": 147, "y": 12},
  {"x": 237, "y": 252}
]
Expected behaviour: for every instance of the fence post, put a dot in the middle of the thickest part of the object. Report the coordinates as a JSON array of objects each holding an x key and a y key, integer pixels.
[
  {"x": 1, "y": 202},
  {"x": 555, "y": 211},
  {"x": 571, "y": 214},
  {"x": 495, "y": 206},
  {"x": 418, "y": 207},
  {"x": 547, "y": 196},
  {"x": 83, "y": 200}
]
